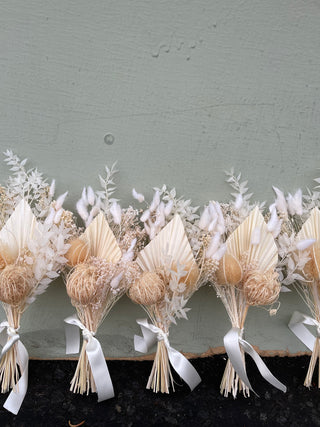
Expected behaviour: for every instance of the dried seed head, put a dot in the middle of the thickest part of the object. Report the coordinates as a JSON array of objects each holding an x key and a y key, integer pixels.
[
  {"x": 5, "y": 259},
  {"x": 82, "y": 284},
  {"x": 229, "y": 271},
  {"x": 16, "y": 282},
  {"x": 261, "y": 288},
  {"x": 148, "y": 289},
  {"x": 312, "y": 268},
  {"x": 77, "y": 253}
]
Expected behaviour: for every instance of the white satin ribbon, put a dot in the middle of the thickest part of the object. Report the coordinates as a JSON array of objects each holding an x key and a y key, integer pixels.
[
  {"x": 232, "y": 342},
  {"x": 17, "y": 394},
  {"x": 95, "y": 355},
  {"x": 296, "y": 324},
  {"x": 152, "y": 334}
]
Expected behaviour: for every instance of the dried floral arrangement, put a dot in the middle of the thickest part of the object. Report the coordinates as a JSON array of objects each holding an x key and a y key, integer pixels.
[
  {"x": 34, "y": 231},
  {"x": 101, "y": 270},
  {"x": 240, "y": 262},
  {"x": 169, "y": 274},
  {"x": 299, "y": 247}
]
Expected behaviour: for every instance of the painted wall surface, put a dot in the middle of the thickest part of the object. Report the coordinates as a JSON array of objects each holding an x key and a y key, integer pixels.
[{"x": 187, "y": 89}]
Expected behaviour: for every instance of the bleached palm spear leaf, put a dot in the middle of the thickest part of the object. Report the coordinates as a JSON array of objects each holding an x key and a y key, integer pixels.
[
  {"x": 170, "y": 245},
  {"x": 243, "y": 242},
  {"x": 18, "y": 230},
  {"x": 311, "y": 228},
  {"x": 101, "y": 240}
]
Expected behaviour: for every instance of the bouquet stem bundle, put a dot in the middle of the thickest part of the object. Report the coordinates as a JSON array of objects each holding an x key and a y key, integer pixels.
[
  {"x": 82, "y": 380},
  {"x": 237, "y": 310},
  {"x": 9, "y": 368},
  {"x": 160, "y": 378}
]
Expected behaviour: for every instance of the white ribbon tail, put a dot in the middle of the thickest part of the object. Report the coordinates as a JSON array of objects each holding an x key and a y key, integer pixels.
[
  {"x": 15, "y": 398},
  {"x": 72, "y": 334},
  {"x": 150, "y": 335},
  {"x": 232, "y": 346},
  {"x": 99, "y": 370},
  {"x": 296, "y": 324},
  {"x": 95, "y": 355},
  {"x": 183, "y": 367},
  {"x": 263, "y": 369},
  {"x": 232, "y": 343}
]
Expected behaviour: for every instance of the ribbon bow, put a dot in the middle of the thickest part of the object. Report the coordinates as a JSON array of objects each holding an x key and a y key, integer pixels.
[
  {"x": 296, "y": 324},
  {"x": 95, "y": 355},
  {"x": 232, "y": 342},
  {"x": 152, "y": 334},
  {"x": 15, "y": 398}
]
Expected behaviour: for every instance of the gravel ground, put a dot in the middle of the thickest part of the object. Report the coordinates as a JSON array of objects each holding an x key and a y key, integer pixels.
[{"x": 49, "y": 403}]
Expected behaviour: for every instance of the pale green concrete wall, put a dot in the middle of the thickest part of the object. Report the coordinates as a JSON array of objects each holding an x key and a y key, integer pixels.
[{"x": 187, "y": 89}]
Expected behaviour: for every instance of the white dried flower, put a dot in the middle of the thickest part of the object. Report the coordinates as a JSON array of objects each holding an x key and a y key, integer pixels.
[
  {"x": 90, "y": 196},
  {"x": 155, "y": 202},
  {"x": 60, "y": 201},
  {"x": 138, "y": 196},
  {"x": 295, "y": 203},
  {"x": 280, "y": 202},
  {"x": 145, "y": 216},
  {"x": 82, "y": 210},
  {"x": 238, "y": 202},
  {"x": 116, "y": 213},
  {"x": 302, "y": 245}
]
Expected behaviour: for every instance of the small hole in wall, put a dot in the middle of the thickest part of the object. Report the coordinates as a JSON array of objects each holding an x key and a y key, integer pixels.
[{"x": 109, "y": 139}]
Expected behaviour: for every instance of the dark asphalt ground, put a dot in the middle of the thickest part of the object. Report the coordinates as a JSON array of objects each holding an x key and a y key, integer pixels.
[{"x": 49, "y": 402}]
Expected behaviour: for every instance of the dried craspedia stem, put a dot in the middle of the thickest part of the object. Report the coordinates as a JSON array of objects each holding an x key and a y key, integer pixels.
[
  {"x": 261, "y": 288},
  {"x": 16, "y": 282},
  {"x": 312, "y": 268},
  {"x": 229, "y": 271},
  {"x": 148, "y": 289},
  {"x": 82, "y": 284},
  {"x": 77, "y": 253}
]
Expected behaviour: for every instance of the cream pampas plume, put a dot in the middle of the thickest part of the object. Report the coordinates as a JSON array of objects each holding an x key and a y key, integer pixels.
[{"x": 169, "y": 277}]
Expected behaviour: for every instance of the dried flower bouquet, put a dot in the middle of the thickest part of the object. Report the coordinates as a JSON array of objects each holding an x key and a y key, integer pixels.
[
  {"x": 34, "y": 229},
  {"x": 240, "y": 262},
  {"x": 169, "y": 276},
  {"x": 101, "y": 271},
  {"x": 298, "y": 220}
]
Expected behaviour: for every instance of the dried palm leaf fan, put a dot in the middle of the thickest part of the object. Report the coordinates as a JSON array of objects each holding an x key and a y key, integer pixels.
[
  {"x": 94, "y": 257},
  {"x": 311, "y": 287},
  {"x": 246, "y": 277},
  {"x": 169, "y": 277}
]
